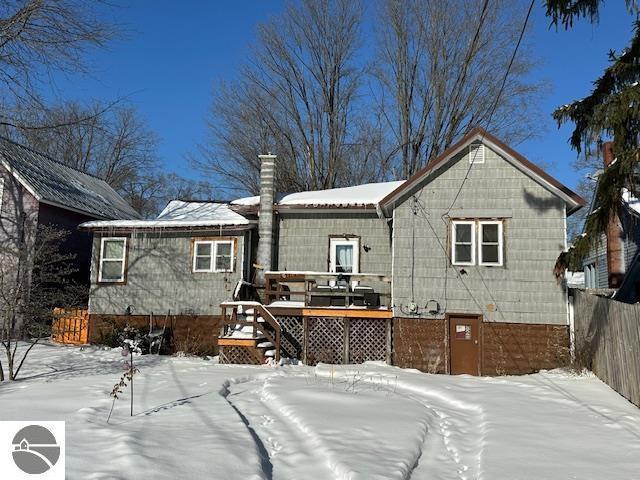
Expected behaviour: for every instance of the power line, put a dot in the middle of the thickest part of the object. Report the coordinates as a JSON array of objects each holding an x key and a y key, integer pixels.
[{"x": 497, "y": 99}]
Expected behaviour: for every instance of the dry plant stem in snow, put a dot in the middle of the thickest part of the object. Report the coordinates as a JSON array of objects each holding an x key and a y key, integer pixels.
[{"x": 119, "y": 387}]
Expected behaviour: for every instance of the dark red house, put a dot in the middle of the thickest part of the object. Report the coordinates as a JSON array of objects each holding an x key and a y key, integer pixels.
[{"x": 36, "y": 190}]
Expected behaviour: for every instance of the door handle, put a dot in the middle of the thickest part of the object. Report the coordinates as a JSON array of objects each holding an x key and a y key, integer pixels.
[{"x": 476, "y": 342}]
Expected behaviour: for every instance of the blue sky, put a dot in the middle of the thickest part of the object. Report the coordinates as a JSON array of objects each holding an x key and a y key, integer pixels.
[{"x": 174, "y": 52}]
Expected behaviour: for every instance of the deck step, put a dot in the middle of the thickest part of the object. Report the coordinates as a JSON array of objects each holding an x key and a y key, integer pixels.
[
  {"x": 238, "y": 342},
  {"x": 266, "y": 344}
]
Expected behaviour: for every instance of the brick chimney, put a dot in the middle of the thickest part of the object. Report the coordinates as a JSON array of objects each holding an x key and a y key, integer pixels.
[
  {"x": 615, "y": 257},
  {"x": 265, "y": 217}
]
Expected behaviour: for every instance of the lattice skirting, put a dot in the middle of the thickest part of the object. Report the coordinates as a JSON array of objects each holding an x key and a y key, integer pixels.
[
  {"x": 232, "y": 354},
  {"x": 367, "y": 340},
  {"x": 292, "y": 337},
  {"x": 325, "y": 340},
  {"x": 334, "y": 340}
]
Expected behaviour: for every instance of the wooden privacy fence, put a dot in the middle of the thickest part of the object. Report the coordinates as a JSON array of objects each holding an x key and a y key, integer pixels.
[
  {"x": 70, "y": 326},
  {"x": 607, "y": 340}
]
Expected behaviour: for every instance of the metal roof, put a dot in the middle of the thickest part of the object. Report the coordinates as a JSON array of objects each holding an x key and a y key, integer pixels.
[{"x": 54, "y": 183}]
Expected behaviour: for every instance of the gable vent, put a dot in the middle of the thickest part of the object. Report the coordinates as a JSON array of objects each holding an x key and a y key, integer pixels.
[{"x": 476, "y": 153}]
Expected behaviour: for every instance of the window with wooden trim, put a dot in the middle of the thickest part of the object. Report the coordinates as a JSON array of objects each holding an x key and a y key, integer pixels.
[
  {"x": 476, "y": 153},
  {"x": 113, "y": 254},
  {"x": 490, "y": 243},
  {"x": 463, "y": 246},
  {"x": 213, "y": 256},
  {"x": 344, "y": 255}
]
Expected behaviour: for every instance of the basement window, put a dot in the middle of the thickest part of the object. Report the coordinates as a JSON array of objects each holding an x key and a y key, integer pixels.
[
  {"x": 213, "y": 256},
  {"x": 112, "y": 260}
]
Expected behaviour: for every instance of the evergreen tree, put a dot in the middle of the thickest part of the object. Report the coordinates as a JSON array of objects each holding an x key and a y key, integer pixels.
[{"x": 611, "y": 110}]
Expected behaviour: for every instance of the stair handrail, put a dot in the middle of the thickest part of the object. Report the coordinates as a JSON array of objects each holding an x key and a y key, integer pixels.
[{"x": 264, "y": 313}]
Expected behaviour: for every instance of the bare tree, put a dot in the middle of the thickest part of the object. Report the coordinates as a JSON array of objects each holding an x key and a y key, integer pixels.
[
  {"x": 440, "y": 65},
  {"x": 111, "y": 142},
  {"x": 297, "y": 97},
  {"x": 37, "y": 38},
  {"x": 149, "y": 195}
]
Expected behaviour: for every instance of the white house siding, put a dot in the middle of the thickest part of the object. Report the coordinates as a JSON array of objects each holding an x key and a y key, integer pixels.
[
  {"x": 160, "y": 279},
  {"x": 524, "y": 289}
]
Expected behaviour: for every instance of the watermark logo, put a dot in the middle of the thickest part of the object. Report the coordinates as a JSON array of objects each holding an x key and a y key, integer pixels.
[
  {"x": 35, "y": 450},
  {"x": 32, "y": 450}
]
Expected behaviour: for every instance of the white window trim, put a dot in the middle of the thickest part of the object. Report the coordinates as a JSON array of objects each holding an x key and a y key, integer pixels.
[
  {"x": 102, "y": 259},
  {"x": 214, "y": 255},
  {"x": 477, "y": 158},
  {"x": 454, "y": 261},
  {"x": 500, "y": 261},
  {"x": 335, "y": 242}
]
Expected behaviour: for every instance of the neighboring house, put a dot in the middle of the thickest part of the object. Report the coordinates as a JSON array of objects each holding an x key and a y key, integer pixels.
[
  {"x": 37, "y": 191},
  {"x": 450, "y": 271},
  {"x": 609, "y": 260}
]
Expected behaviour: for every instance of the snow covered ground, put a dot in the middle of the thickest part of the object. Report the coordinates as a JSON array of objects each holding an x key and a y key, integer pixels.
[{"x": 197, "y": 419}]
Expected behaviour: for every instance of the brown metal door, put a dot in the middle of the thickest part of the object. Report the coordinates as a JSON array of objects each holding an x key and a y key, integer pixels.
[{"x": 464, "y": 339}]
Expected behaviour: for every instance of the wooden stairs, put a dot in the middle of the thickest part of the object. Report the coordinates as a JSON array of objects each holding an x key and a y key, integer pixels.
[{"x": 250, "y": 334}]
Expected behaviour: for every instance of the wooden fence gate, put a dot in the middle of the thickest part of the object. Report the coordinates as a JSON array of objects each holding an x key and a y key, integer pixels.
[{"x": 70, "y": 326}]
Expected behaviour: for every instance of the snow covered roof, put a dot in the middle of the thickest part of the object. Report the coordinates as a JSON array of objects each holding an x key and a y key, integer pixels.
[
  {"x": 358, "y": 195},
  {"x": 57, "y": 184},
  {"x": 575, "y": 279},
  {"x": 630, "y": 201},
  {"x": 179, "y": 213}
]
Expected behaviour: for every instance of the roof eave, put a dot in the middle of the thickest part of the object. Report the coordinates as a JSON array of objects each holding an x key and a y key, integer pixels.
[{"x": 573, "y": 201}]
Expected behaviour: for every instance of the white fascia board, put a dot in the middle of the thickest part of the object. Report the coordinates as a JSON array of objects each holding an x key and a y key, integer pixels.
[{"x": 21, "y": 179}]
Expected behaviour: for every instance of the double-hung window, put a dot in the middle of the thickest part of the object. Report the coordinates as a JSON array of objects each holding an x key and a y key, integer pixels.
[
  {"x": 477, "y": 239},
  {"x": 490, "y": 240},
  {"x": 113, "y": 253},
  {"x": 344, "y": 255},
  {"x": 213, "y": 256},
  {"x": 590, "y": 276},
  {"x": 463, "y": 242}
]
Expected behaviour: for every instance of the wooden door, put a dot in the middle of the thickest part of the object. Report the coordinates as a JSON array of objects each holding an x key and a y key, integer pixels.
[{"x": 464, "y": 341}]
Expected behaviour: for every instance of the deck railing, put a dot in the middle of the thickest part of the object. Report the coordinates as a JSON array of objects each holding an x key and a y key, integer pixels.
[
  {"x": 342, "y": 289},
  {"x": 272, "y": 334}
]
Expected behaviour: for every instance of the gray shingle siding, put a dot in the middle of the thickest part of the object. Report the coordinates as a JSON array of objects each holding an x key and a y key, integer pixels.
[
  {"x": 598, "y": 254},
  {"x": 160, "y": 278},
  {"x": 303, "y": 240},
  {"x": 598, "y": 257},
  {"x": 524, "y": 289}
]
